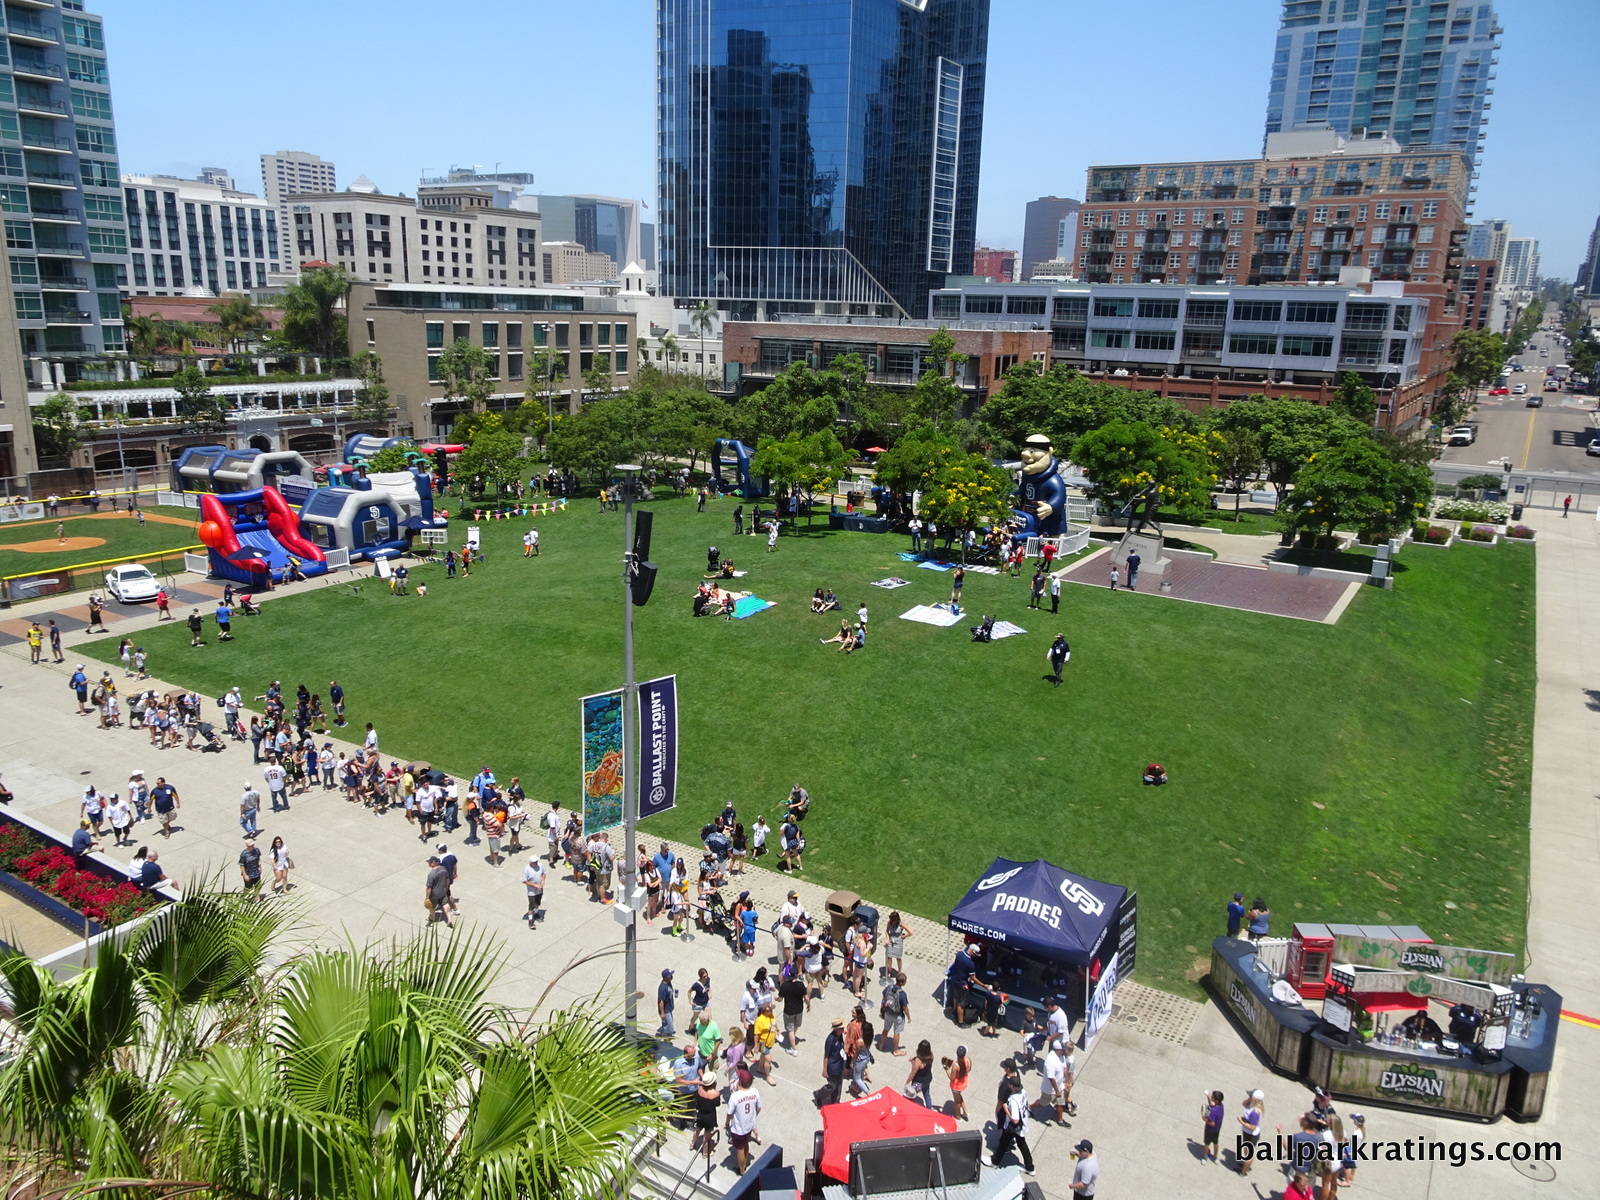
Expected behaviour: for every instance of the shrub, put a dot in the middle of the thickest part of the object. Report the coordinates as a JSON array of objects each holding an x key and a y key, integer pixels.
[
  {"x": 1419, "y": 530},
  {"x": 1437, "y": 534},
  {"x": 1519, "y": 531},
  {"x": 1472, "y": 510},
  {"x": 55, "y": 872},
  {"x": 1474, "y": 482},
  {"x": 1482, "y": 533}
]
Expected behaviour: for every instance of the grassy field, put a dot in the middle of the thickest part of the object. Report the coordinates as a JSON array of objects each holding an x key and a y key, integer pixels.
[
  {"x": 1372, "y": 771},
  {"x": 94, "y": 539}
]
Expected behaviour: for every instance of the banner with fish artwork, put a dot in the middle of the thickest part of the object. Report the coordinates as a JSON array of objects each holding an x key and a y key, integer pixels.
[{"x": 602, "y": 761}]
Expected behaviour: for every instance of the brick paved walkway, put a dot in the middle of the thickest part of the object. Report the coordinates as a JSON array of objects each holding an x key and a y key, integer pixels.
[{"x": 1230, "y": 585}]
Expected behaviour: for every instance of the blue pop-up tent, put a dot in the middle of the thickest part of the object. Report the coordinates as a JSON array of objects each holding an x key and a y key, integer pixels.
[{"x": 1041, "y": 909}]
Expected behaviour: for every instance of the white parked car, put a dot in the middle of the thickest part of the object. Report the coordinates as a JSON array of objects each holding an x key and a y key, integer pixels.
[{"x": 130, "y": 582}]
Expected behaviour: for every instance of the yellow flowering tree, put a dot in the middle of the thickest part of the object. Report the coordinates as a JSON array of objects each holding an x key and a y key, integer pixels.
[
  {"x": 1123, "y": 459},
  {"x": 1358, "y": 486},
  {"x": 964, "y": 493}
]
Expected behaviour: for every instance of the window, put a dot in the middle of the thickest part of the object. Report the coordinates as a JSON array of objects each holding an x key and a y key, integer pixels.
[
  {"x": 1110, "y": 339},
  {"x": 460, "y": 331},
  {"x": 513, "y": 366},
  {"x": 435, "y": 330},
  {"x": 1113, "y": 306},
  {"x": 561, "y": 335},
  {"x": 1402, "y": 316},
  {"x": 1425, "y": 233},
  {"x": 1206, "y": 312},
  {"x": 96, "y": 141},
  {"x": 586, "y": 361},
  {"x": 1397, "y": 351},
  {"x": 433, "y": 368},
  {"x": 30, "y": 306},
  {"x": 84, "y": 68},
  {"x": 24, "y": 271},
  {"x": 1252, "y": 343},
  {"x": 1306, "y": 312},
  {"x": 1380, "y": 210},
  {"x": 1074, "y": 310},
  {"x": 98, "y": 174},
  {"x": 1366, "y": 316},
  {"x": 948, "y": 306},
  {"x": 585, "y": 334},
  {"x": 107, "y": 241},
  {"x": 621, "y": 358},
  {"x": 1363, "y": 351},
  {"x": 372, "y": 326},
  {"x": 1122, "y": 216},
  {"x": 491, "y": 336},
  {"x": 1158, "y": 310},
  {"x": 19, "y": 235},
  {"x": 1320, "y": 214},
  {"x": 75, "y": 31},
  {"x": 1122, "y": 239},
  {"x": 603, "y": 333},
  {"x": 1308, "y": 347},
  {"x": 1025, "y": 305},
  {"x": 1232, "y": 263},
  {"x": 986, "y": 304},
  {"x": 102, "y": 208},
  {"x": 622, "y": 333},
  {"x": 1257, "y": 310},
  {"x": 514, "y": 335},
  {"x": 1154, "y": 339}
]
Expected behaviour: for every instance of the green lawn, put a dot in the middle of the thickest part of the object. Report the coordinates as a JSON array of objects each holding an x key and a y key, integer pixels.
[
  {"x": 119, "y": 536},
  {"x": 1372, "y": 771},
  {"x": 1252, "y": 520}
]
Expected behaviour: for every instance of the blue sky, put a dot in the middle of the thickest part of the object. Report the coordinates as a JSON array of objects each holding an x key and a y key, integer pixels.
[{"x": 389, "y": 88}]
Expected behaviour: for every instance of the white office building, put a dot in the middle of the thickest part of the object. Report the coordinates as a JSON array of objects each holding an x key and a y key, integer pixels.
[
  {"x": 1522, "y": 264},
  {"x": 191, "y": 237},
  {"x": 289, "y": 173}
]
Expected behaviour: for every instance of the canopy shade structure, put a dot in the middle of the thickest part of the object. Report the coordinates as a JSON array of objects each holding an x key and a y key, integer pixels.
[
  {"x": 877, "y": 1116},
  {"x": 1041, "y": 909}
]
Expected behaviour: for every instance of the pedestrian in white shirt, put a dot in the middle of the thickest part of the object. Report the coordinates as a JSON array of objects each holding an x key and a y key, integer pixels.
[
  {"x": 533, "y": 877},
  {"x": 277, "y": 780},
  {"x": 744, "y": 1108}
]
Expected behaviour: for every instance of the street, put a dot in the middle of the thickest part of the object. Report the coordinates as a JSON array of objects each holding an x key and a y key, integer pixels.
[{"x": 1551, "y": 438}]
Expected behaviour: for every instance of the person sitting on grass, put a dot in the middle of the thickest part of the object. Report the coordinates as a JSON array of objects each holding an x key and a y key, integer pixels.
[
  {"x": 830, "y": 601},
  {"x": 840, "y": 637},
  {"x": 818, "y": 604},
  {"x": 728, "y": 605},
  {"x": 727, "y": 569},
  {"x": 849, "y": 643},
  {"x": 1155, "y": 775}
]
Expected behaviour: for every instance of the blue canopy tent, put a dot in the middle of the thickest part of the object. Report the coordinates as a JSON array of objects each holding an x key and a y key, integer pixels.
[{"x": 1040, "y": 909}]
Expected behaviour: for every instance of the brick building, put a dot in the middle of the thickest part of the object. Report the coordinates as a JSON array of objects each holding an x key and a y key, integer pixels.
[{"x": 998, "y": 265}]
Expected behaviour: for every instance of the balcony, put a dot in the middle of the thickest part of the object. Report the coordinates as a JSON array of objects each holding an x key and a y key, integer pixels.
[
  {"x": 46, "y": 142},
  {"x": 67, "y": 316},
  {"x": 63, "y": 216},
  {"x": 26, "y": 29},
  {"x": 53, "y": 178},
  {"x": 33, "y": 106},
  {"x": 1279, "y": 226},
  {"x": 63, "y": 283},
  {"x": 29, "y": 67},
  {"x": 61, "y": 250}
]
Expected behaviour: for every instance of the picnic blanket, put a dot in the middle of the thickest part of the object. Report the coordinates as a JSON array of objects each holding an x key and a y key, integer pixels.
[
  {"x": 749, "y": 606},
  {"x": 1004, "y": 629},
  {"x": 908, "y": 556},
  {"x": 979, "y": 569},
  {"x": 931, "y": 615},
  {"x": 892, "y": 582},
  {"x": 935, "y": 565}
]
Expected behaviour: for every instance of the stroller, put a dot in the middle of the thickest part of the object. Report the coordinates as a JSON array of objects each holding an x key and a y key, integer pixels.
[
  {"x": 208, "y": 737},
  {"x": 984, "y": 632},
  {"x": 720, "y": 922}
]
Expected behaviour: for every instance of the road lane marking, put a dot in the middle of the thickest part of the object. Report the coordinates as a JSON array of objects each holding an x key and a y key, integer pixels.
[{"x": 1527, "y": 446}]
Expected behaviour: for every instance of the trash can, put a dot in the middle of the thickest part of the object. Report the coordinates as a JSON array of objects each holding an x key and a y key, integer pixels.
[
  {"x": 869, "y": 917},
  {"x": 841, "y": 908},
  {"x": 1516, "y": 512}
]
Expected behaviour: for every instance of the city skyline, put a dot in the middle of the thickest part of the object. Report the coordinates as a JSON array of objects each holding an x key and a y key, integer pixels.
[{"x": 1214, "y": 90}]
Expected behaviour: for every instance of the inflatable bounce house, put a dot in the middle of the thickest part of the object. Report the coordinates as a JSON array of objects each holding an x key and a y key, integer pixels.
[
  {"x": 251, "y": 536},
  {"x": 747, "y": 486},
  {"x": 220, "y": 470}
]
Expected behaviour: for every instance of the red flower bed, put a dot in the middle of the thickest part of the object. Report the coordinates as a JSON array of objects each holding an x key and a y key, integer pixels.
[{"x": 56, "y": 872}]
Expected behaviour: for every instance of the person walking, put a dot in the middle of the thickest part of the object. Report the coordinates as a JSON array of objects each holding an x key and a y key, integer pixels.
[
  {"x": 1249, "y": 1130},
  {"x": 164, "y": 606},
  {"x": 738, "y": 520},
  {"x": 282, "y": 864},
  {"x": 164, "y": 799},
  {"x": 120, "y": 813},
  {"x": 1133, "y": 571},
  {"x": 1085, "y": 1171},
  {"x": 744, "y": 1108},
  {"x": 1566, "y": 506},
  {"x": 1116, "y": 577},
  {"x": 250, "y": 868},
  {"x": 958, "y": 1069},
  {"x": 666, "y": 998},
  {"x": 792, "y": 991},
  {"x": 197, "y": 625},
  {"x": 860, "y": 1056},
  {"x": 249, "y": 806},
  {"x": 957, "y": 582},
  {"x": 920, "y": 1078},
  {"x": 436, "y": 892},
  {"x": 772, "y": 536},
  {"x": 1036, "y": 591},
  {"x": 1058, "y": 656},
  {"x": 1014, "y": 1130},
  {"x": 1055, "y": 593},
  {"x": 277, "y": 783},
  {"x": 96, "y": 608}
]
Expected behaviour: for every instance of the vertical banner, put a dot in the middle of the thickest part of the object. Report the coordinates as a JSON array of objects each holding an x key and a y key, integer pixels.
[
  {"x": 658, "y": 745},
  {"x": 602, "y": 761},
  {"x": 1099, "y": 1011}
]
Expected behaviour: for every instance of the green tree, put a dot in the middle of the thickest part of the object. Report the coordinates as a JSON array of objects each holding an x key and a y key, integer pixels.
[
  {"x": 1356, "y": 485},
  {"x": 1524, "y": 327},
  {"x": 801, "y": 400},
  {"x": 1584, "y": 354},
  {"x": 593, "y": 440},
  {"x": 912, "y": 463},
  {"x": 1238, "y": 459},
  {"x": 1064, "y": 406},
  {"x": 702, "y": 322},
  {"x": 1354, "y": 399},
  {"x": 312, "y": 318},
  {"x": 966, "y": 492},
  {"x": 200, "y": 409},
  {"x": 464, "y": 369},
  {"x": 1452, "y": 401},
  {"x": 1290, "y": 431},
  {"x": 239, "y": 320},
  {"x": 390, "y": 458},
  {"x": 549, "y": 370},
  {"x": 1479, "y": 356},
  {"x": 58, "y": 428},
  {"x": 495, "y": 457},
  {"x": 373, "y": 396},
  {"x": 801, "y": 465},
  {"x": 1124, "y": 458}
]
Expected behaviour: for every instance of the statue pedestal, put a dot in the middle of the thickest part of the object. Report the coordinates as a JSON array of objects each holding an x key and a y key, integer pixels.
[{"x": 1152, "y": 561}]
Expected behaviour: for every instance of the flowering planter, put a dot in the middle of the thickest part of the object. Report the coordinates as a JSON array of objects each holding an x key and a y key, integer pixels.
[{"x": 77, "y": 893}]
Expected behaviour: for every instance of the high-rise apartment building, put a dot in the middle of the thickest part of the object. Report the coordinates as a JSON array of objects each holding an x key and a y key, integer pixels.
[
  {"x": 186, "y": 234},
  {"x": 1588, "y": 278},
  {"x": 1522, "y": 264},
  {"x": 290, "y": 173},
  {"x": 1415, "y": 71},
  {"x": 1487, "y": 239},
  {"x": 60, "y": 188},
  {"x": 818, "y": 157},
  {"x": 1312, "y": 206},
  {"x": 1041, "y": 231}
]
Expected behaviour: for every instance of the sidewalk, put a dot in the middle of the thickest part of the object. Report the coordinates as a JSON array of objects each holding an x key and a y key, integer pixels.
[{"x": 360, "y": 878}]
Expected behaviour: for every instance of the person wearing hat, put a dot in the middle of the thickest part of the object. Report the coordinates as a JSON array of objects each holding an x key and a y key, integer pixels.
[
  {"x": 833, "y": 1061},
  {"x": 79, "y": 683},
  {"x": 666, "y": 998},
  {"x": 533, "y": 877},
  {"x": 1236, "y": 911},
  {"x": 1086, "y": 1171},
  {"x": 1249, "y": 1130},
  {"x": 707, "y": 1099},
  {"x": 744, "y": 1108},
  {"x": 1014, "y": 1117},
  {"x": 82, "y": 839},
  {"x": 436, "y": 892},
  {"x": 250, "y": 867}
]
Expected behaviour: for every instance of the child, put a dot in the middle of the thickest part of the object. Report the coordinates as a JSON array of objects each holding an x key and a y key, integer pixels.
[
  {"x": 1027, "y": 1055},
  {"x": 1358, "y": 1134},
  {"x": 678, "y": 899},
  {"x": 758, "y": 837}
]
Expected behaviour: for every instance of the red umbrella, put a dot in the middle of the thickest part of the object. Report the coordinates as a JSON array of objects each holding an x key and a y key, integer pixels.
[
  {"x": 875, "y": 450},
  {"x": 882, "y": 1114}
]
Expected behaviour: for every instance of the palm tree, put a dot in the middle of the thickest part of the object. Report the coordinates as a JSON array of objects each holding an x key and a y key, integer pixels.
[
  {"x": 311, "y": 317},
  {"x": 239, "y": 319},
  {"x": 702, "y": 320},
  {"x": 180, "y": 1061}
]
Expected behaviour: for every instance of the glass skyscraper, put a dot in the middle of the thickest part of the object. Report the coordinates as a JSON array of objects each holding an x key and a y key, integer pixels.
[
  {"x": 818, "y": 156},
  {"x": 1414, "y": 70}
]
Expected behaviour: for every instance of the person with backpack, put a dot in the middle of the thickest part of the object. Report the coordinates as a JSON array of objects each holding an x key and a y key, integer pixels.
[
  {"x": 79, "y": 683},
  {"x": 894, "y": 1011},
  {"x": 794, "y": 845}
]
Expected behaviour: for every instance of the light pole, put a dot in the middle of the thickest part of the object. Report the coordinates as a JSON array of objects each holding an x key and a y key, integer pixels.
[{"x": 630, "y": 760}]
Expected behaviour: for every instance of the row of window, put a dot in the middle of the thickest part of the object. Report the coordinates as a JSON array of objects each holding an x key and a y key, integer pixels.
[
  {"x": 1077, "y": 310},
  {"x": 161, "y": 268},
  {"x": 612, "y": 363},
  {"x": 1351, "y": 349},
  {"x": 589, "y": 334}
]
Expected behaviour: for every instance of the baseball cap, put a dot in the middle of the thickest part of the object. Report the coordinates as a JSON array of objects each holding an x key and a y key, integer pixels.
[
  {"x": 745, "y": 1078},
  {"x": 1238, "y": 895},
  {"x": 1258, "y": 1094},
  {"x": 1085, "y": 1147},
  {"x": 441, "y": 847},
  {"x": 667, "y": 973},
  {"x": 433, "y": 858}
]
